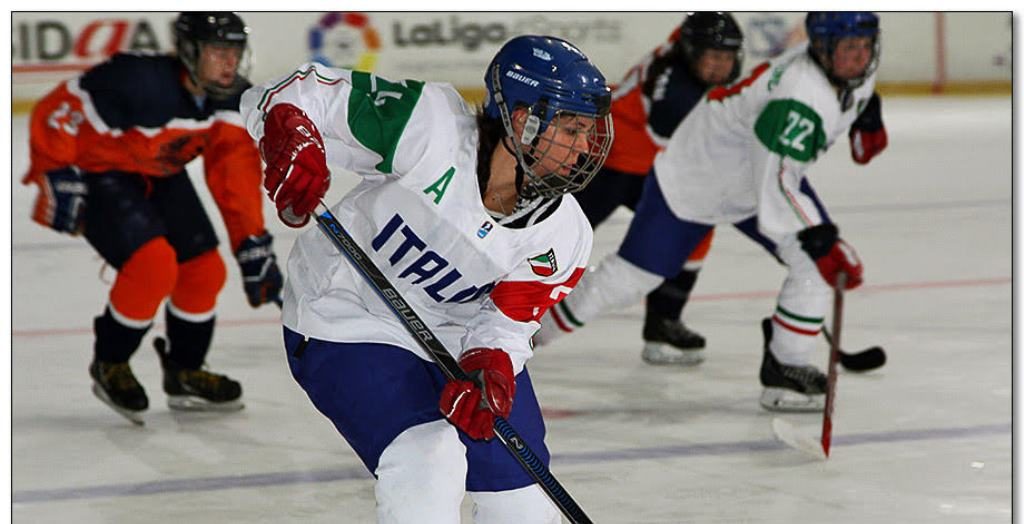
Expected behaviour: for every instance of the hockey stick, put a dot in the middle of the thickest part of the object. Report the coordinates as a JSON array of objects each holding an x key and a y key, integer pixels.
[
  {"x": 833, "y": 358},
  {"x": 789, "y": 434},
  {"x": 866, "y": 360},
  {"x": 449, "y": 366}
]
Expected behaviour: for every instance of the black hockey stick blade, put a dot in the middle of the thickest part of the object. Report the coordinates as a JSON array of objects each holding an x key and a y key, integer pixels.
[
  {"x": 449, "y": 366},
  {"x": 869, "y": 359}
]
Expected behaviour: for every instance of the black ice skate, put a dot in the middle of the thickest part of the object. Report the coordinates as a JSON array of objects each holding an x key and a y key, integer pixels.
[
  {"x": 197, "y": 389},
  {"x": 669, "y": 341},
  {"x": 789, "y": 388},
  {"x": 115, "y": 385}
]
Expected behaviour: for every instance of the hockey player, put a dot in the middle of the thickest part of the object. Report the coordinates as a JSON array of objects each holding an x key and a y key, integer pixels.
[
  {"x": 468, "y": 217},
  {"x": 654, "y": 96},
  {"x": 741, "y": 157},
  {"x": 108, "y": 152}
]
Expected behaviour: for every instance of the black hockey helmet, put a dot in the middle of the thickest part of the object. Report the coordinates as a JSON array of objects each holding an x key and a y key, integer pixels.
[
  {"x": 711, "y": 30},
  {"x": 192, "y": 30}
]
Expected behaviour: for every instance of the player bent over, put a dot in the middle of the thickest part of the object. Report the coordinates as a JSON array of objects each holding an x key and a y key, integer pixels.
[
  {"x": 108, "y": 152},
  {"x": 741, "y": 157},
  {"x": 647, "y": 106},
  {"x": 470, "y": 219}
]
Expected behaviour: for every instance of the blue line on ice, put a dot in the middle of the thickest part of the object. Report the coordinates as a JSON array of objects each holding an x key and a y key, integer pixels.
[{"x": 560, "y": 460}]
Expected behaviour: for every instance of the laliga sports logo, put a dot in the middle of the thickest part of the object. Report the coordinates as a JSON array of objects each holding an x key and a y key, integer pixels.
[
  {"x": 345, "y": 40},
  {"x": 768, "y": 35}
]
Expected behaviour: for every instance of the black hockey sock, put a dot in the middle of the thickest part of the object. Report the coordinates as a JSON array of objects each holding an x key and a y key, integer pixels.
[
  {"x": 115, "y": 342},
  {"x": 668, "y": 299},
  {"x": 190, "y": 341}
]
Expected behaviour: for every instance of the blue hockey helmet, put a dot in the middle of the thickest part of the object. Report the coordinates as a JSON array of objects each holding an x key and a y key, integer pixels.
[
  {"x": 551, "y": 80},
  {"x": 826, "y": 28}
]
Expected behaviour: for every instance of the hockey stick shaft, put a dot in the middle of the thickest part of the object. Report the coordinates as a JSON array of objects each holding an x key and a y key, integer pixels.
[
  {"x": 833, "y": 359},
  {"x": 449, "y": 366}
]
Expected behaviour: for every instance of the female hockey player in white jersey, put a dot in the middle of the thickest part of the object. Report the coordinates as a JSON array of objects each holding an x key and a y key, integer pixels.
[
  {"x": 741, "y": 157},
  {"x": 467, "y": 216}
]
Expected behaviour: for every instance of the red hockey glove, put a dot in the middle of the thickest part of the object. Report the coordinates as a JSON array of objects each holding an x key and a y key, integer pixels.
[
  {"x": 867, "y": 134},
  {"x": 297, "y": 176},
  {"x": 60, "y": 204},
  {"x": 471, "y": 405},
  {"x": 831, "y": 254}
]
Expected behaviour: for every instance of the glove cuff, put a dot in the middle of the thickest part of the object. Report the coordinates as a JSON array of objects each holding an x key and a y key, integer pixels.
[
  {"x": 291, "y": 219},
  {"x": 818, "y": 240}
]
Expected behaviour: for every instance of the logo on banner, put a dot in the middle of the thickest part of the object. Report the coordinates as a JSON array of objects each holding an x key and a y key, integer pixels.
[
  {"x": 345, "y": 40},
  {"x": 769, "y": 34},
  {"x": 55, "y": 45}
]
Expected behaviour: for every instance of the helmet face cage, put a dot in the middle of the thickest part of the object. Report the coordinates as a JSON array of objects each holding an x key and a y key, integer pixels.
[
  {"x": 826, "y": 29},
  {"x": 566, "y": 127},
  {"x": 562, "y": 158},
  {"x": 711, "y": 30},
  {"x": 194, "y": 31}
]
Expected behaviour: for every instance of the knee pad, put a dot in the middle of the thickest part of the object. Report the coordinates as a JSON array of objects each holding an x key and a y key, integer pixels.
[
  {"x": 528, "y": 504},
  {"x": 421, "y": 475},
  {"x": 200, "y": 280},
  {"x": 144, "y": 281}
]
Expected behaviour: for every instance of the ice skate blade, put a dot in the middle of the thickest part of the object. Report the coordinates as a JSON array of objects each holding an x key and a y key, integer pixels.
[
  {"x": 784, "y": 400},
  {"x": 789, "y": 435},
  {"x": 661, "y": 354},
  {"x": 192, "y": 403},
  {"x": 135, "y": 417}
]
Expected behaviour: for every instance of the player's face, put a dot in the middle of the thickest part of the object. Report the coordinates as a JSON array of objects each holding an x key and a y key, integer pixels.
[
  {"x": 851, "y": 57},
  {"x": 218, "y": 63},
  {"x": 715, "y": 65},
  {"x": 561, "y": 145}
]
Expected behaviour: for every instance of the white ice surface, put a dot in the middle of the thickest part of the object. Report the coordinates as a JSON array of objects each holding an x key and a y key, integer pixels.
[{"x": 925, "y": 439}]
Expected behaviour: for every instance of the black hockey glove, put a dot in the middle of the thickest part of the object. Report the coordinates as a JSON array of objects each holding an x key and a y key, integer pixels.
[
  {"x": 61, "y": 201},
  {"x": 260, "y": 274},
  {"x": 831, "y": 254},
  {"x": 867, "y": 134}
]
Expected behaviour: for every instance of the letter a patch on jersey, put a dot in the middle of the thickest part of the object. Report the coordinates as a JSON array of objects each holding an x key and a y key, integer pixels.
[
  {"x": 441, "y": 185},
  {"x": 544, "y": 265}
]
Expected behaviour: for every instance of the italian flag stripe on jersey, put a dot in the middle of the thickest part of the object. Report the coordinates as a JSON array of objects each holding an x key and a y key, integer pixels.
[
  {"x": 794, "y": 204},
  {"x": 299, "y": 75}
]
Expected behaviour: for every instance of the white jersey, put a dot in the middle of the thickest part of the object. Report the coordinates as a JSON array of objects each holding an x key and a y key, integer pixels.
[
  {"x": 419, "y": 215},
  {"x": 744, "y": 149}
]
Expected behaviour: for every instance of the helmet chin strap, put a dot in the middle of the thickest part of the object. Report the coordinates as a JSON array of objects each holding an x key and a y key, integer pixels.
[
  {"x": 522, "y": 165},
  {"x": 521, "y": 190}
]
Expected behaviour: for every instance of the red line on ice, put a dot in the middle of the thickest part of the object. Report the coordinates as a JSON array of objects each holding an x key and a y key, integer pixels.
[{"x": 744, "y": 295}]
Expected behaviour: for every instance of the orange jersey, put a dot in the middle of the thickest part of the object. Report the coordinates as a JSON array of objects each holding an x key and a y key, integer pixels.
[
  {"x": 647, "y": 106},
  {"x": 133, "y": 114}
]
